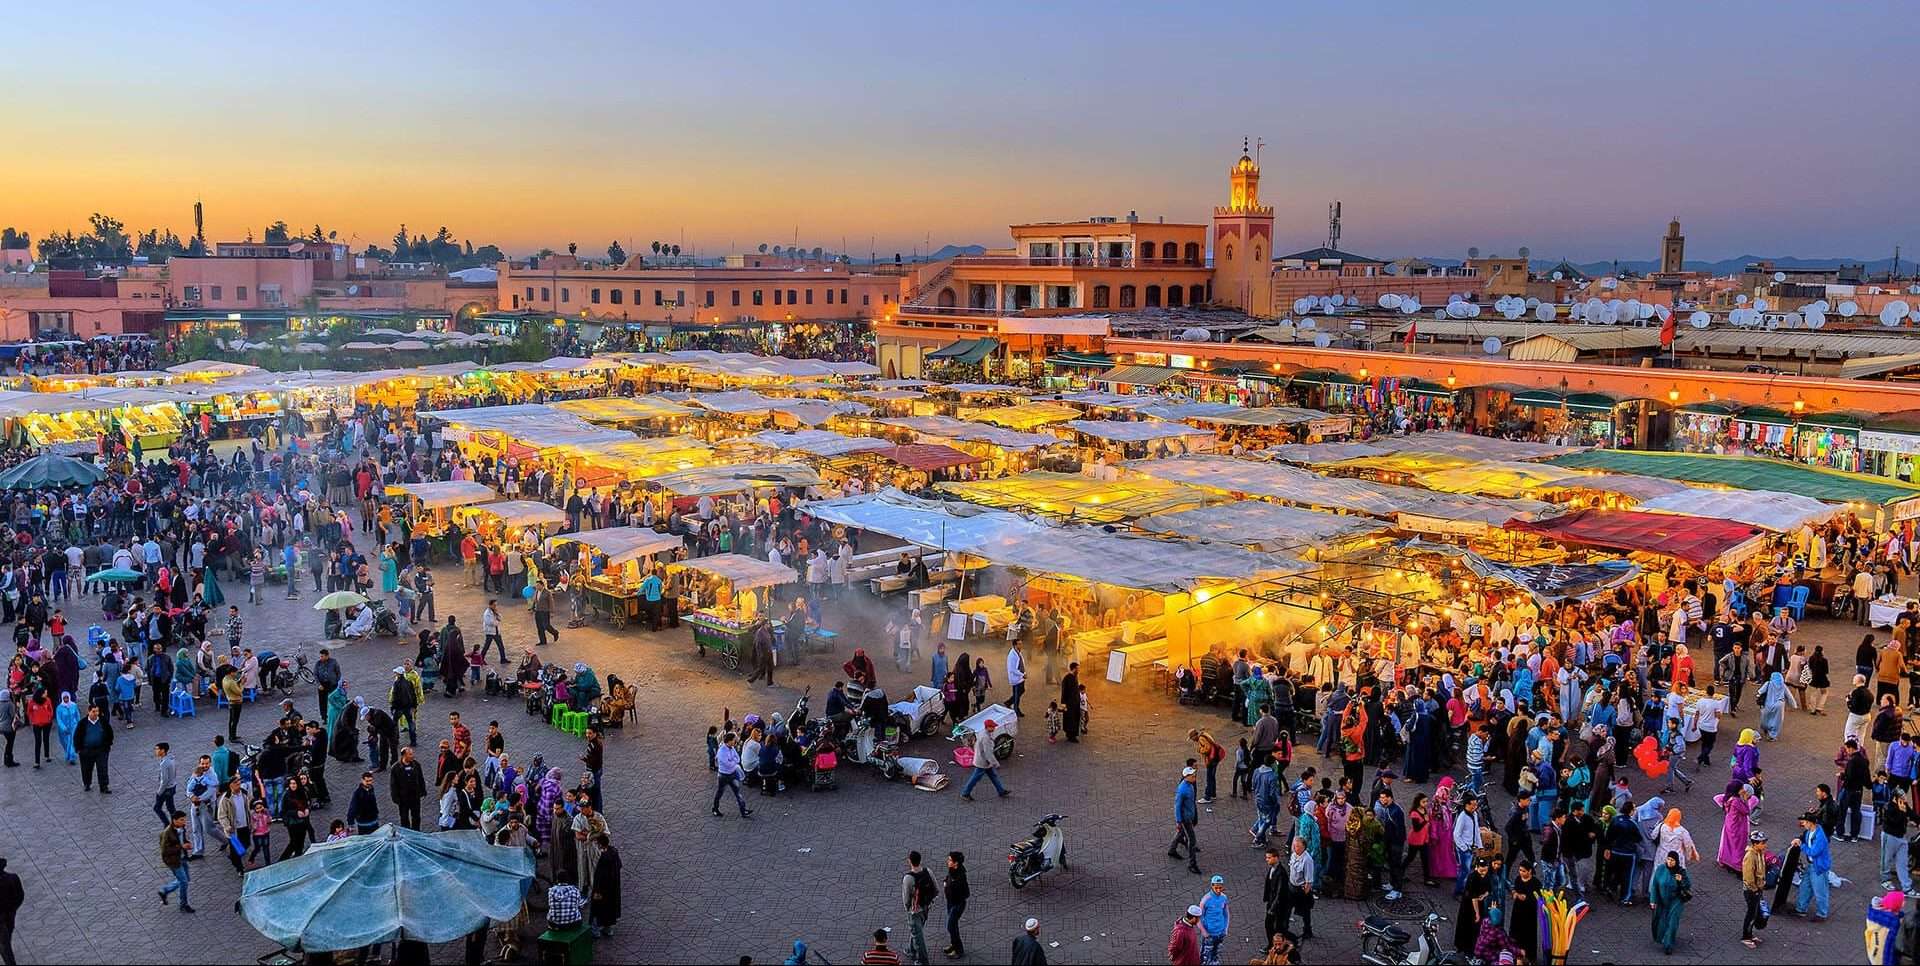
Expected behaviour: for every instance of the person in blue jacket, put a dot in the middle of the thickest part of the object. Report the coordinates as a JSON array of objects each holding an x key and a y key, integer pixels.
[
  {"x": 1186, "y": 815},
  {"x": 1818, "y": 856}
]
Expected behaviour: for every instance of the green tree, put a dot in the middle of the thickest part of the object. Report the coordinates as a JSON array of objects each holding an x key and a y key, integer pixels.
[
  {"x": 656, "y": 248},
  {"x": 108, "y": 238},
  {"x": 816, "y": 252},
  {"x": 318, "y": 236},
  {"x": 10, "y": 238},
  {"x": 486, "y": 255},
  {"x": 676, "y": 251},
  {"x": 400, "y": 240},
  {"x": 616, "y": 254},
  {"x": 573, "y": 248},
  {"x": 276, "y": 234}
]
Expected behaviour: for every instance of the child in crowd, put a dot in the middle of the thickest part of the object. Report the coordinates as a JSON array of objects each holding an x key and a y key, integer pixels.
[{"x": 1053, "y": 721}]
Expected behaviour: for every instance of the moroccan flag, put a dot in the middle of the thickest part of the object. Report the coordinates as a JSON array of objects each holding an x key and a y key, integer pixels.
[{"x": 1666, "y": 330}]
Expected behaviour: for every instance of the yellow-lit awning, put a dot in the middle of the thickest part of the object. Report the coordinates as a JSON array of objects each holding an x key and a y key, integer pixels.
[
  {"x": 1024, "y": 416},
  {"x": 617, "y": 409},
  {"x": 1071, "y": 496},
  {"x": 1412, "y": 463},
  {"x": 1500, "y": 479}
]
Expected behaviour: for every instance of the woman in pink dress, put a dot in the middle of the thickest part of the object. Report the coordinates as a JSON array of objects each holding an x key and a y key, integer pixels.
[
  {"x": 1734, "y": 831},
  {"x": 1441, "y": 863}
]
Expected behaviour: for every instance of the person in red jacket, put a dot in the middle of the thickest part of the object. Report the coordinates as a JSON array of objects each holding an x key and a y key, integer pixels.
[
  {"x": 40, "y": 717},
  {"x": 1184, "y": 948}
]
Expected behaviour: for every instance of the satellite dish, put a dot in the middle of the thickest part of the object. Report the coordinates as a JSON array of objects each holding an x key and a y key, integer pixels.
[
  {"x": 1816, "y": 320},
  {"x": 1514, "y": 312},
  {"x": 1525, "y": 252},
  {"x": 1321, "y": 340},
  {"x": 1849, "y": 309},
  {"x": 1779, "y": 276},
  {"x": 1740, "y": 299},
  {"x": 1545, "y": 312},
  {"x": 1792, "y": 320},
  {"x": 1410, "y": 304},
  {"x": 353, "y": 290},
  {"x": 1556, "y": 276},
  {"x": 296, "y": 248},
  {"x": 1609, "y": 283},
  {"x": 1473, "y": 252},
  {"x": 1491, "y": 346},
  {"x": 1459, "y": 310},
  {"x": 1773, "y": 322},
  {"x": 1389, "y": 301},
  {"x": 1440, "y": 313},
  {"x": 1473, "y": 310},
  {"x": 1648, "y": 311},
  {"x": 1308, "y": 324},
  {"x": 1893, "y": 312},
  {"x": 1531, "y": 301},
  {"x": 1196, "y": 334},
  {"x": 1354, "y": 301},
  {"x": 1662, "y": 312},
  {"x": 1699, "y": 320},
  {"x": 1302, "y": 305},
  {"x": 1760, "y": 305}
]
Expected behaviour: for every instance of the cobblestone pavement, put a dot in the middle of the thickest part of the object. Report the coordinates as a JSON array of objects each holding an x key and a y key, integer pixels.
[{"x": 826, "y": 867}]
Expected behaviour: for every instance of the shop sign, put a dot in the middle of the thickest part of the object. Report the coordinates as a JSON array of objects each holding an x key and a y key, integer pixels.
[{"x": 1889, "y": 442}]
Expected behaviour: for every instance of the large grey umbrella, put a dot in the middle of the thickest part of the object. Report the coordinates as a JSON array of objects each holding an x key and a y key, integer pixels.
[{"x": 48, "y": 470}]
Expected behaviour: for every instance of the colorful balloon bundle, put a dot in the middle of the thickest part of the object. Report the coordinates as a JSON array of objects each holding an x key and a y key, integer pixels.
[{"x": 1558, "y": 918}]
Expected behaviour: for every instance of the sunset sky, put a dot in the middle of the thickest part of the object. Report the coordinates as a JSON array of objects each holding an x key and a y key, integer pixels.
[{"x": 1767, "y": 128}]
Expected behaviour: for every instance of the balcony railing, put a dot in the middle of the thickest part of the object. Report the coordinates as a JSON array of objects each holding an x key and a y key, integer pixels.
[{"x": 1076, "y": 261}]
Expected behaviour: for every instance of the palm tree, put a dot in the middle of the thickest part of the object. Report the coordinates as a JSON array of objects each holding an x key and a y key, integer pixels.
[
  {"x": 676, "y": 251},
  {"x": 656, "y": 248}
]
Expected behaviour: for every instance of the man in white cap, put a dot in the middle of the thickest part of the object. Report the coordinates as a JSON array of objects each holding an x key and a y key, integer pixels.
[
  {"x": 1214, "y": 920},
  {"x": 1027, "y": 950},
  {"x": 1186, "y": 814},
  {"x": 1183, "y": 949}
]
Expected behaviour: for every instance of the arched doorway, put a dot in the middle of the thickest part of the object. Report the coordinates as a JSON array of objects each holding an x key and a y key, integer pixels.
[
  {"x": 1153, "y": 296},
  {"x": 1174, "y": 297},
  {"x": 1192, "y": 256},
  {"x": 1196, "y": 294},
  {"x": 947, "y": 299}
]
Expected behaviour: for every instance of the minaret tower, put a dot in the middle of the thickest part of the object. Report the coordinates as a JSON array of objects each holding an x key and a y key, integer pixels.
[{"x": 1243, "y": 242}]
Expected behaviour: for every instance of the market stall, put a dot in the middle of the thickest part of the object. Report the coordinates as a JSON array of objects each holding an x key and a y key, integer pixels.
[
  {"x": 1690, "y": 540},
  {"x": 615, "y": 563},
  {"x": 1109, "y": 440},
  {"x": 521, "y": 522},
  {"x": 1071, "y": 496},
  {"x": 1267, "y": 527},
  {"x": 430, "y": 509},
  {"x": 725, "y": 596}
]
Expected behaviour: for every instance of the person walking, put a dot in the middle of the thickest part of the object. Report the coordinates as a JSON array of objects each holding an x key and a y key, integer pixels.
[
  {"x": 490, "y": 631},
  {"x": 12, "y": 896},
  {"x": 1817, "y": 854},
  {"x": 93, "y": 740},
  {"x": 1276, "y": 895},
  {"x": 986, "y": 763},
  {"x": 326, "y": 676},
  {"x": 168, "y": 784},
  {"x": 173, "y": 855},
  {"x": 1215, "y": 918},
  {"x": 10, "y": 720},
  {"x": 1183, "y": 947},
  {"x": 917, "y": 891},
  {"x": 726, "y": 767},
  {"x": 1186, "y": 815},
  {"x": 363, "y": 809},
  {"x": 409, "y": 789},
  {"x": 1753, "y": 882},
  {"x": 1027, "y": 950},
  {"x": 957, "y": 892},
  {"x": 1672, "y": 887},
  {"x": 1017, "y": 677},
  {"x": 543, "y": 613},
  {"x": 1070, "y": 705}
]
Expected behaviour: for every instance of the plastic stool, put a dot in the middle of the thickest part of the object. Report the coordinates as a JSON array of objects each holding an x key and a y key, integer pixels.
[
  {"x": 577, "y": 723},
  {"x": 557, "y": 718},
  {"x": 96, "y": 635},
  {"x": 247, "y": 695},
  {"x": 182, "y": 704}
]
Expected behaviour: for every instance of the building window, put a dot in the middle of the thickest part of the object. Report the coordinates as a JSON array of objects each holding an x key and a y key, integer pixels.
[
  {"x": 240, "y": 292},
  {"x": 1193, "y": 253},
  {"x": 680, "y": 296},
  {"x": 843, "y": 297},
  {"x": 1174, "y": 296},
  {"x": 216, "y": 293},
  {"x": 776, "y": 296},
  {"x": 659, "y": 297},
  {"x": 516, "y": 301},
  {"x": 1146, "y": 251},
  {"x": 270, "y": 294},
  {"x": 546, "y": 294},
  {"x": 1126, "y": 296},
  {"x": 709, "y": 298},
  {"x": 1100, "y": 295},
  {"x": 793, "y": 297},
  {"x": 736, "y": 298},
  {"x": 594, "y": 296},
  {"x": 866, "y": 299},
  {"x": 809, "y": 296},
  {"x": 829, "y": 296},
  {"x": 759, "y": 296},
  {"x": 1153, "y": 296},
  {"x": 1196, "y": 294},
  {"x": 191, "y": 293},
  {"x": 614, "y": 295},
  {"x": 1229, "y": 253},
  {"x": 566, "y": 294},
  {"x": 529, "y": 293}
]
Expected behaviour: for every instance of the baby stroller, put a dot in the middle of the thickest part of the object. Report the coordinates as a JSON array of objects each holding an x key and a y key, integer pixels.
[{"x": 824, "y": 763}]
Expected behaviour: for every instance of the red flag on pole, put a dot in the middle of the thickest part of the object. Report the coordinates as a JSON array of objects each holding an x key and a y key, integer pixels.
[
  {"x": 1413, "y": 328},
  {"x": 1667, "y": 330}
]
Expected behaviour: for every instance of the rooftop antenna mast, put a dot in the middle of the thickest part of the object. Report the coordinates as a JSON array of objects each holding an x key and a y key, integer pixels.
[{"x": 1333, "y": 226}]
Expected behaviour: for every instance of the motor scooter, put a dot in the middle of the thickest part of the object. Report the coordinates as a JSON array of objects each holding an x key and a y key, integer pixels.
[
  {"x": 1384, "y": 944},
  {"x": 1039, "y": 853}
]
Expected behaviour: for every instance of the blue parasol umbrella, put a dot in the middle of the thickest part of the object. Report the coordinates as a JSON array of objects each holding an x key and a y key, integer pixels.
[
  {"x": 114, "y": 575},
  {"x": 393, "y": 884},
  {"x": 47, "y": 470}
]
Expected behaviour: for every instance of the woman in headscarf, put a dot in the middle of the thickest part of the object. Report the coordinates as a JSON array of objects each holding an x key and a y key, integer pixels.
[
  {"x": 343, "y": 739},
  {"x": 549, "y": 793},
  {"x": 1523, "y": 924},
  {"x": 185, "y": 671},
  {"x": 1258, "y": 692},
  {"x": 1670, "y": 891},
  {"x": 66, "y": 719},
  {"x": 1514, "y": 756},
  {"x": 1674, "y": 837},
  {"x": 1307, "y": 829},
  {"x": 937, "y": 674},
  {"x": 389, "y": 570},
  {"x": 1603, "y": 768},
  {"x": 1773, "y": 705},
  {"x": 1442, "y": 864},
  {"x": 1354, "y": 885},
  {"x": 1473, "y": 907},
  {"x": 963, "y": 685},
  {"x": 1746, "y": 763},
  {"x": 1734, "y": 831},
  {"x": 337, "y": 702},
  {"x": 1523, "y": 680}
]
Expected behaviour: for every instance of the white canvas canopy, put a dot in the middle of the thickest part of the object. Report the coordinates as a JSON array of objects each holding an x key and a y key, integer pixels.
[
  {"x": 526, "y": 513},
  {"x": 816, "y": 442},
  {"x": 1089, "y": 553},
  {"x": 1260, "y": 525},
  {"x": 717, "y": 480},
  {"x": 1289, "y": 484},
  {"x": 1772, "y": 509},
  {"x": 812, "y": 412},
  {"x": 446, "y": 493},
  {"x": 741, "y": 571},
  {"x": 1132, "y": 432},
  {"x": 620, "y": 544},
  {"x": 1313, "y": 454},
  {"x": 947, "y": 427},
  {"x": 209, "y": 366},
  {"x": 738, "y": 402}
]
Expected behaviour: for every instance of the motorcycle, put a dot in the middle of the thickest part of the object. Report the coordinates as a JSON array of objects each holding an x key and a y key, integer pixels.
[
  {"x": 1384, "y": 944},
  {"x": 276, "y": 675},
  {"x": 1039, "y": 853},
  {"x": 385, "y": 622}
]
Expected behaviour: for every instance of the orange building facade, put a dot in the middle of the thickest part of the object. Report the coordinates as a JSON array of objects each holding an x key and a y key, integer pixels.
[{"x": 638, "y": 292}]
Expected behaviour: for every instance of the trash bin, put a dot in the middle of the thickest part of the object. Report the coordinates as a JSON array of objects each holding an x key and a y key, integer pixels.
[{"x": 572, "y": 946}]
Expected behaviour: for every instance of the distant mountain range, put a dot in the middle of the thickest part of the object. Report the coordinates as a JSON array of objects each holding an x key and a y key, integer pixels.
[{"x": 1725, "y": 266}]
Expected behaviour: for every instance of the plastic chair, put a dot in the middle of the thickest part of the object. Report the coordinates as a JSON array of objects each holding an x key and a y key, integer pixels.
[
  {"x": 247, "y": 695},
  {"x": 182, "y": 704},
  {"x": 557, "y": 718},
  {"x": 1797, "y": 601},
  {"x": 1738, "y": 604}
]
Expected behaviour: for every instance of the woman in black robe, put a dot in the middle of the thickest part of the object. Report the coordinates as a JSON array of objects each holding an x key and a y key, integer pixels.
[
  {"x": 605, "y": 901},
  {"x": 1070, "y": 702},
  {"x": 1473, "y": 908},
  {"x": 963, "y": 683}
]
